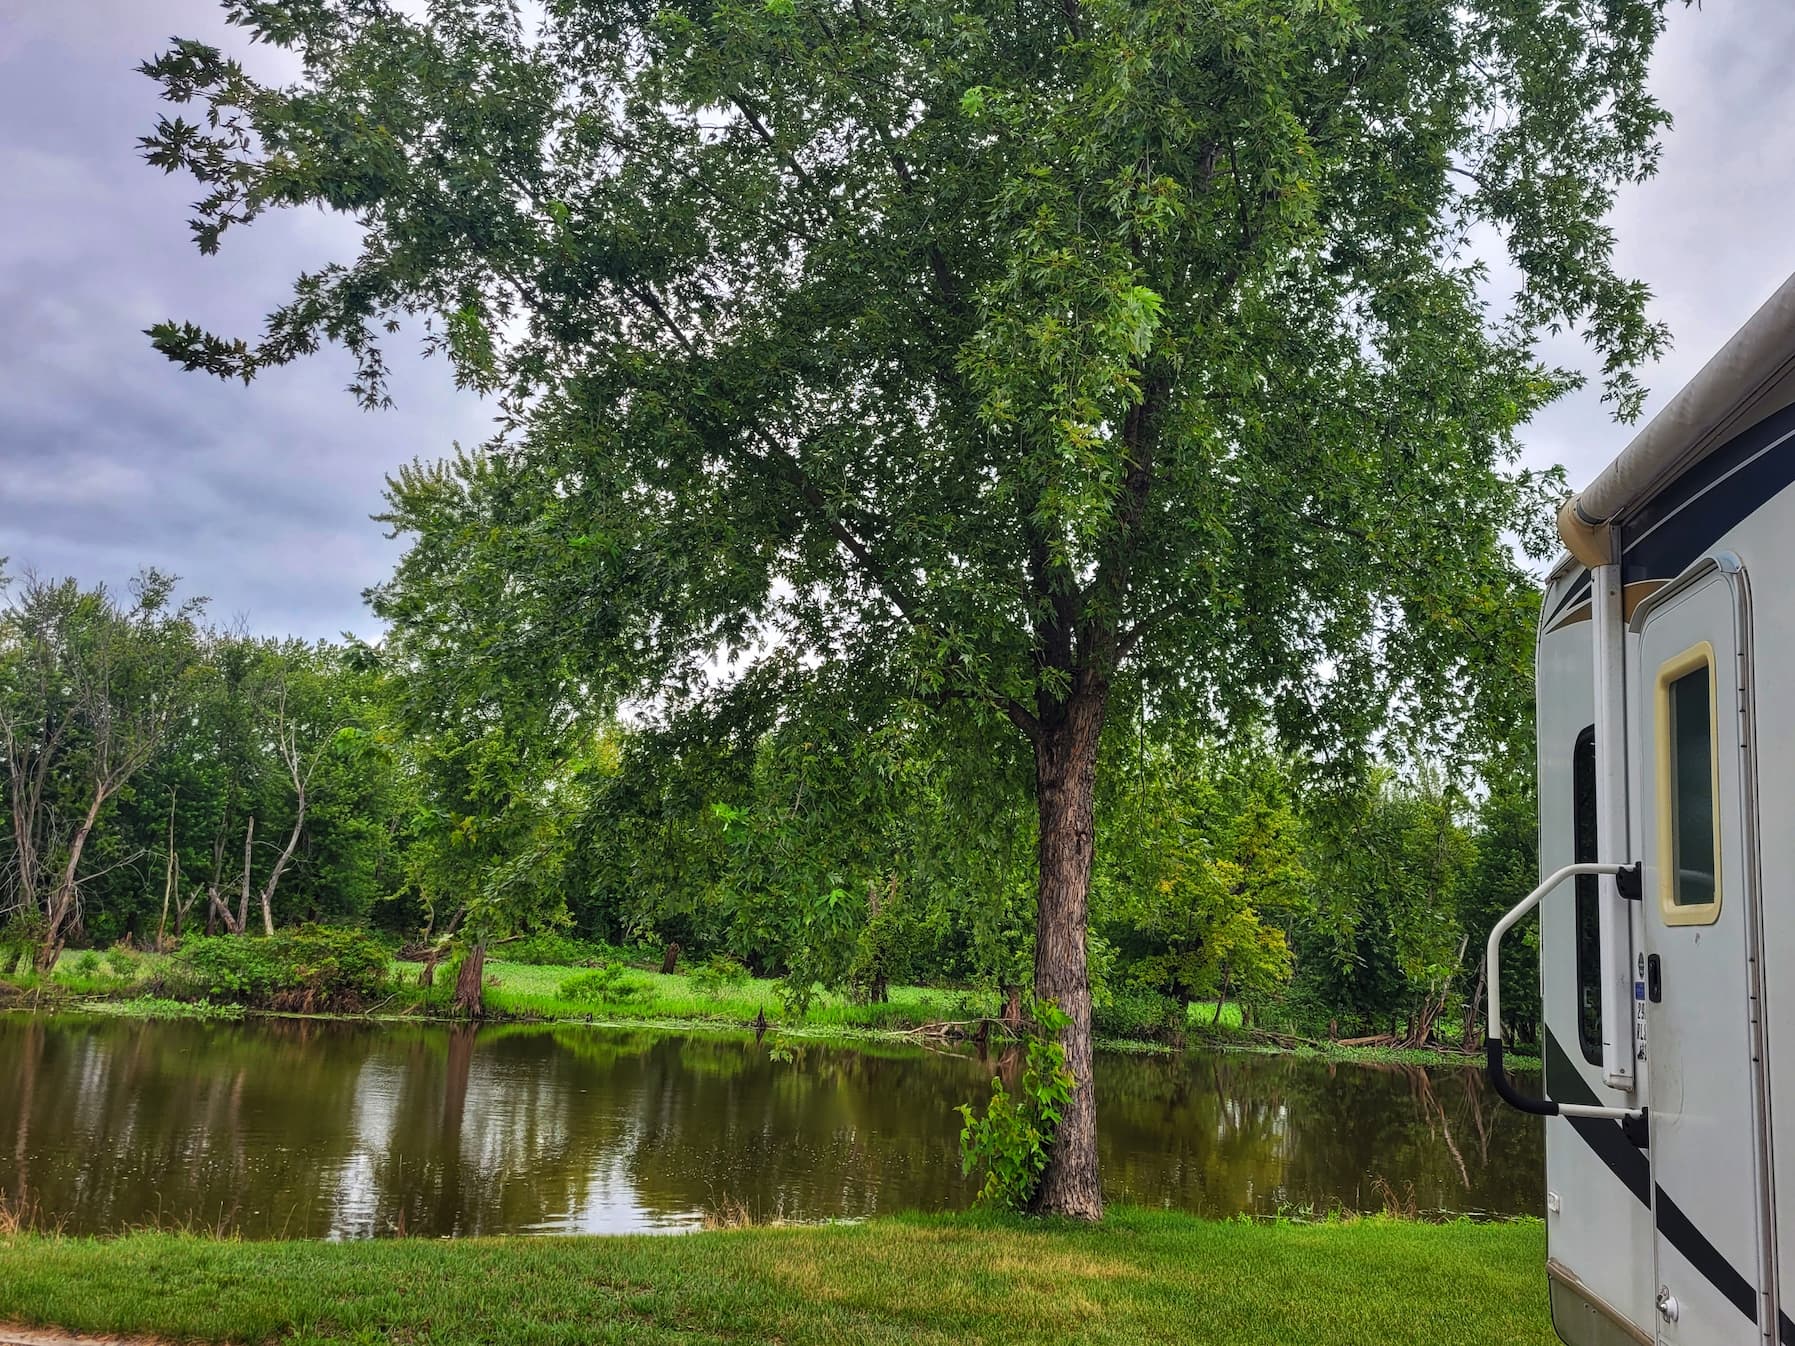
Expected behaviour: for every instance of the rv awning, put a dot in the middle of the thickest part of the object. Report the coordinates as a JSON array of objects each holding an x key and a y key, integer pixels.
[{"x": 1752, "y": 377}]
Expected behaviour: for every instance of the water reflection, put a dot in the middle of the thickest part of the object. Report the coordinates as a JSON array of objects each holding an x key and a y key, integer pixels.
[{"x": 289, "y": 1127}]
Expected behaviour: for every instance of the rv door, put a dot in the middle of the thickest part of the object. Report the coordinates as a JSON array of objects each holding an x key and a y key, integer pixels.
[{"x": 1691, "y": 703}]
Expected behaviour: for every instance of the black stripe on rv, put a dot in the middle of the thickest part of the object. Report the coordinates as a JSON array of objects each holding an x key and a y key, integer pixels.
[
  {"x": 1695, "y": 511},
  {"x": 1705, "y": 1257},
  {"x": 1700, "y": 507},
  {"x": 1565, "y": 1083},
  {"x": 1579, "y": 589}
]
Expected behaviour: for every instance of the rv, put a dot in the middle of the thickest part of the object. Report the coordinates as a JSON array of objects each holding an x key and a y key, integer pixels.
[{"x": 1667, "y": 844}]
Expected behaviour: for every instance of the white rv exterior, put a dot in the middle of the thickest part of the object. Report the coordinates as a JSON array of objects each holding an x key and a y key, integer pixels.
[{"x": 1666, "y": 676}]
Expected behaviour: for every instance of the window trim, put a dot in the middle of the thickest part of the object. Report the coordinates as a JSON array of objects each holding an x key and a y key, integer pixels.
[{"x": 1699, "y": 655}]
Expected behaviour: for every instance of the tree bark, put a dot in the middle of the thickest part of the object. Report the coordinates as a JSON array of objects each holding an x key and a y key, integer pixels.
[
  {"x": 286, "y": 855},
  {"x": 470, "y": 986},
  {"x": 169, "y": 880},
  {"x": 62, "y": 902},
  {"x": 1065, "y": 780},
  {"x": 249, "y": 836},
  {"x": 1469, "y": 1039}
]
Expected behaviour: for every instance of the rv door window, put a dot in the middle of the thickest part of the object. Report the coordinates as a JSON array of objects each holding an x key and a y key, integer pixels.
[
  {"x": 1689, "y": 887},
  {"x": 1589, "y": 912}
]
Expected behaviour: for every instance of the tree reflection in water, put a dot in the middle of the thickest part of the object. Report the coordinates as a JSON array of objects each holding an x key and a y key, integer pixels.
[{"x": 299, "y": 1127}]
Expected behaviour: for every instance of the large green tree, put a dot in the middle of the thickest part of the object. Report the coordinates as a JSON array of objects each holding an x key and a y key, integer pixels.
[{"x": 986, "y": 352}]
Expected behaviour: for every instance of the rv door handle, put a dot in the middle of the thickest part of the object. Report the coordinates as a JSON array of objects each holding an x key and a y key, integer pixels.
[
  {"x": 1668, "y": 1308},
  {"x": 1498, "y": 1073}
]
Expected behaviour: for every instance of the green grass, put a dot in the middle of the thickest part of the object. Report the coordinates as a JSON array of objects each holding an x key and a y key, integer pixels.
[
  {"x": 160, "y": 1007},
  {"x": 533, "y": 990},
  {"x": 1141, "y": 1277},
  {"x": 1202, "y": 1016}
]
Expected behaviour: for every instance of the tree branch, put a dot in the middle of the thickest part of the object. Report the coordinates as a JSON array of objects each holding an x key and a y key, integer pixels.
[{"x": 784, "y": 464}]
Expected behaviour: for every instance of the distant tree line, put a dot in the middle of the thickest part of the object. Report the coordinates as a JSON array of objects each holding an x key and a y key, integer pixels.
[{"x": 166, "y": 777}]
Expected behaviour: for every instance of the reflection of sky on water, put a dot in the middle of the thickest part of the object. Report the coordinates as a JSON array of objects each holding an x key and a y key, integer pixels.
[
  {"x": 351, "y": 1131},
  {"x": 611, "y": 1204}
]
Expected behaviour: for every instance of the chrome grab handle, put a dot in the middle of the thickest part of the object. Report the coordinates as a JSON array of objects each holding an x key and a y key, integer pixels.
[{"x": 1626, "y": 878}]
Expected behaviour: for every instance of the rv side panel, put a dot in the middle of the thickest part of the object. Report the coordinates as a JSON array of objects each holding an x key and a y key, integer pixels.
[
  {"x": 1765, "y": 544},
  {"x": 1598, "y": 1221}
]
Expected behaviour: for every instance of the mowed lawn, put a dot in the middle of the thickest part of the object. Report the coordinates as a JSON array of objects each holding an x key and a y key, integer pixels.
[
  {"x": 534, "y": 990},
  {"x": 1142, "y": 1277},
  {"x": 528, "y": 989}
]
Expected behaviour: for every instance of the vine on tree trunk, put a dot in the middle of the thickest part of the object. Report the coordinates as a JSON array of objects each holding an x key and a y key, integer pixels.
[{"x": 1013, "y": 1140}]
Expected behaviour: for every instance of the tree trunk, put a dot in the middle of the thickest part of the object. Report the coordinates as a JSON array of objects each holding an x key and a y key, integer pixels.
[
  {"x": 1469, "y": 1040},
  {"x": 62, "y": 902},
  {"x": 170, "y": 879},
  {"x": 249, "y": 836},
  {"x": 877, "y": 993},
  {"x": 280, "y": 865},
  {"x": 670, "y": 959},
  {"x": 182, "y": 908},
  {"x": 1065, "y": 780},
  {"x": 470, "y": 986}
]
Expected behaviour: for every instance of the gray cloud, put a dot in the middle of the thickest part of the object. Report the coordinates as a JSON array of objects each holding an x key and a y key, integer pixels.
[
  {"x": 1710, "y": 233},
  {"x": 111, "y": 458}
]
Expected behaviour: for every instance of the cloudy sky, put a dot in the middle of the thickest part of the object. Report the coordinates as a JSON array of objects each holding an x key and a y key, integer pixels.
[{"x": 112, "y": 458}]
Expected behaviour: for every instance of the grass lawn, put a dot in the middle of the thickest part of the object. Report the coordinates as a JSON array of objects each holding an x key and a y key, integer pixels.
[
  {"x": 533, "y": 991},
  {"x": 1142, "y": 1277},
  {"x": 527, "y": 989}
]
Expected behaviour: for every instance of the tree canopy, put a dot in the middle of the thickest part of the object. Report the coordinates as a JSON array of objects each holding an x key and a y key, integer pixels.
[{"x": 964, "y": 357}]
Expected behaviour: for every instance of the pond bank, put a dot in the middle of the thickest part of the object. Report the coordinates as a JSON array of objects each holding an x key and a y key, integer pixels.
[
  {"x": 532, "y": 993},
  {"x": 1140, "y": 1277}
]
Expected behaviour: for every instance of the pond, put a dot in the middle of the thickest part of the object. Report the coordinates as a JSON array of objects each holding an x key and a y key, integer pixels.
[{"x": 288, "y": 1128}]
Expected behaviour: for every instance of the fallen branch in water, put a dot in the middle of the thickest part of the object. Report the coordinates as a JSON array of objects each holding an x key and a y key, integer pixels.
[
  {"x": 1404, "y": 1042},
  {"x": 954, "y": 1029}
]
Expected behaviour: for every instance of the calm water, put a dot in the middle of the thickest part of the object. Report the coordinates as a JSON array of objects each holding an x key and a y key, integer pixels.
[{"x": 301, "y": 1128}]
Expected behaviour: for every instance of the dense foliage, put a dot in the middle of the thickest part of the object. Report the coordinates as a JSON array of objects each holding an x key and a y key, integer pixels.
[
  {"x": 165, "y": 776},
  {"x": 825, "y": 858},
  {"x": 312, "y": 969}
]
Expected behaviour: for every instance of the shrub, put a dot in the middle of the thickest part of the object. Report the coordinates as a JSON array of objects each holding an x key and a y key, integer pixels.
[
  {"x": 549, "y": 948},
  {"x": 605, "y": 985},
  {"x": 122, "y": 961},
  {"x": 311, "y": 969},
  {"x": 718, "y": 973},
  {"x": 1011, "y": 1141},
  {"x": 20, "y": 935},
  {"x": 1136, "y": 1012},
  {"x": 87, "y": 963}
]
